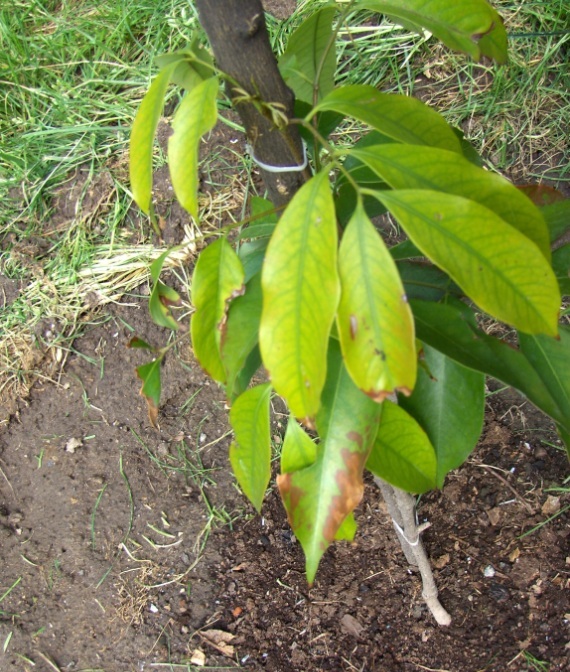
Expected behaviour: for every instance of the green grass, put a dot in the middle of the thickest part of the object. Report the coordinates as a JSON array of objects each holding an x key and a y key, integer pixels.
[{"x": 72, "y": 76}]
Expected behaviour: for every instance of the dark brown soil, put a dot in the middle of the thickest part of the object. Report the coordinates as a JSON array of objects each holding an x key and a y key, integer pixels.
[{"x": 89, "y": 492}]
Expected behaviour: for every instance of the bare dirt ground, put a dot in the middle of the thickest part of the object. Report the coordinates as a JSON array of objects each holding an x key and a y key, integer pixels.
[{"x": 127, "y": 548}]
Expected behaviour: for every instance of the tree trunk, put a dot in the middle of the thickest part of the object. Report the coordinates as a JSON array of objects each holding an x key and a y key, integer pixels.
[{"x": 240, "y": 42}]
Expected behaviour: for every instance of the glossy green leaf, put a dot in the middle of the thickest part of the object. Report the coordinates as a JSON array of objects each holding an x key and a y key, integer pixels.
[
  {"x": 406, "y": 167},
  {"x": 264, "y": 220},
  {"x": 309, "y": 62},
  {"x": 561, "y": 267},
  {"x": 142, "y": 139},
  {"x": 151, "y": 387},
  {"x": 452, "y": 329},
  {"x": 402, "y": 453},
  {"x": 241, "y": 333},
  {"x": 318, "y": 498},
  {"x": 449, "y": 404},
  {"x": 374, "y": 320},
  {"x": 162, "y": 297},
  {"x": 499, "y": 268},
  {"x": 218, "y": 279},
  {"x": 472, "y": 27},
  {"x": 251, "y": 255},
  {"x": 399, "y": 117},
  {"x": 250, "y": 453},
  {"x": 550, "y": 358},
  {"x": 300, "y": 296},
  {"x": 195, "y": 116}
]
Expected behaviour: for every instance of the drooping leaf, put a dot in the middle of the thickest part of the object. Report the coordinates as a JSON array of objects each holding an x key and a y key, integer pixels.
[
  {"x": 218, "y": 278},
  {"x": 407, "y": 167},
  {"x": 319, "y": 497},
  {"x": 399, "y": 117},
  {"x": 162, "y": 297},
  {"x": 452, "y": 329},
  {"x": 195, "y": 116},
  {"x": 151, "y": 387},
  {"x": 250, "y": 453},
  {"x": 241, "y": 333},
  {"x": 300, "y": 295},
  {"x": 449, "y": 404},
  {"x": 374, "y": 320},
  {"x": 402, "y": 453},
  {"x": 561, "y": 267},
  {"x": 550, "y": 358},
  {"x": 309, "y": 62},
  {"x": 142, "y": 139},
  {"x": 499, "y": 268},
  {"x": 472, "y": 27}
]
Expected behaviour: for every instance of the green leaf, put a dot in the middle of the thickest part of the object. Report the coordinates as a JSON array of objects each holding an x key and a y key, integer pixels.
[
  {"x": 557, "y": 216},
  {"x": 499, "y": 268},
  {"x": 309, "y": 62},
  {"x": 449, "y": 405},
  {"x": 405, "y": 167},
  {"x": 162, "y": 296},
  {"x": 137, "y": 342},
  {"x": 300, "y": 296},
  {"x": 319, "y": 497},
  {"x": 374, "y": 320},
  {"x": 195, "y": 116},
  {"x": 561, "y": 267},
  {"x": 425, "y": 281},
  {"x": 550, "y": 358},
  {"x": 251, "y": 255},
  {"x": 250, "y": 453},
  {"x": 218, "y": 279},
  {"x": 194, "y": 64},
  {"x": 151, "y": 387},
  {"x": 264, "y": 219},
  {"x": 142, "y": 139},
  {"x": 299, "y": 450},
  {"x": 452, "y": 329},
  {"x": 241, "y": 333},
  {"x": 472, "y": 27},
  {"x": 399, "y": 117},
  {"x": 402, "y": 453}
]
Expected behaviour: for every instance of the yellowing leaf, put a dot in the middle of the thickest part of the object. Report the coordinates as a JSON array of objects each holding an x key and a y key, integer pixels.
[
  {"x": 217, "y": 279},
  {"x": 195, "y": 116},
  {"x": 151, "y": 387},
  {"x": 142, "y": 139},
  {"x": 374, "y": 320},
  {"x": 300, "y": 295},
  {"x": 499, "y": 268},
  {"x": 406, "y": 167},
  {"x": 250, "y": 453},
  {"x": 320, "y": 498},
  {"x": 402, "y": 118}
]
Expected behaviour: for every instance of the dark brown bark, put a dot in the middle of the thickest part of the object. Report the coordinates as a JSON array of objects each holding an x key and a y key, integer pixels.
[{"x": 238, "y": 36}]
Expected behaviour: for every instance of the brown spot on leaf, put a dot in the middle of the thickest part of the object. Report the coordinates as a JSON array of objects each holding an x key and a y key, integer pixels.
[
  {"x": 356, "y": 437},
  {"x": 166, "y": 302},
  {"x": 291, "y": 496},
  {"x": 351, "y": 487},
  {"x": 353, "y": 326}
]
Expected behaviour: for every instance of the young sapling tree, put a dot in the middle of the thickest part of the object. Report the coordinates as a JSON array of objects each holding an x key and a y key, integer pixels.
[{"x": 376, "y": 350}]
